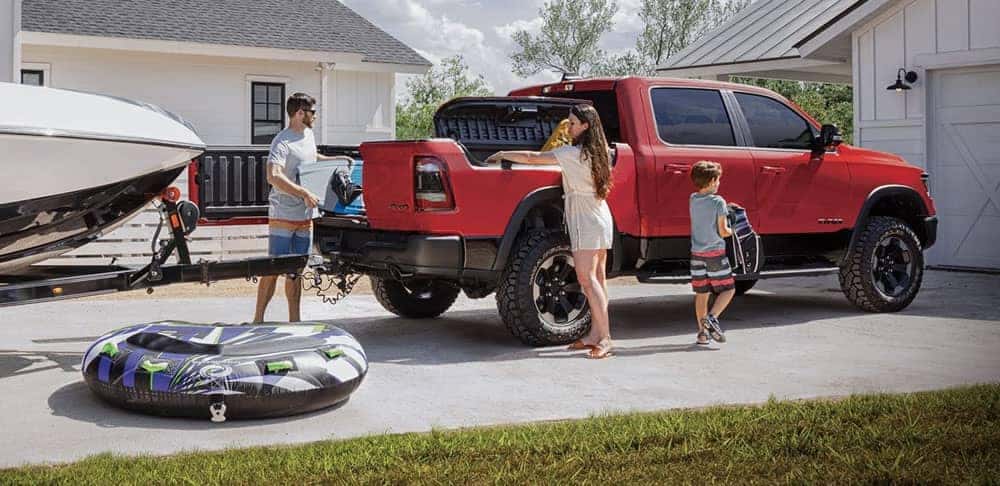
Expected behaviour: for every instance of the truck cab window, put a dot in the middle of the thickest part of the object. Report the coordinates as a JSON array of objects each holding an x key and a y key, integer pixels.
[
  {"x": 774, "y": 125},
  {"x": 692, "y": 117}
]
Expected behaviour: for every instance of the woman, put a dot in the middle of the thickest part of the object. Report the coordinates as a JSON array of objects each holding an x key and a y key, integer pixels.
[{"x": 586, "y": 180}]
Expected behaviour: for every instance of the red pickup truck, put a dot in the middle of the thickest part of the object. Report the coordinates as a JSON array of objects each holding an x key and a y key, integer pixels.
[{"x": 439, "y": 220}]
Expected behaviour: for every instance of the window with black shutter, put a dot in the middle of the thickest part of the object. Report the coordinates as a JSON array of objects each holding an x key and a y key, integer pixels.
[
  {"x": 267, "y": 112},
  {"x": 33, "y": 77}
]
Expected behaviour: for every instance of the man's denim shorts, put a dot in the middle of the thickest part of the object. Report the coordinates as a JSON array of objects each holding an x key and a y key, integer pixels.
[{"x": 287, "y": 242}]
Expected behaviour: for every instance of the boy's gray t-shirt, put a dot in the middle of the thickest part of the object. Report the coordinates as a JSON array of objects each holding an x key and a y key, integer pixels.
[
  {"x": 705, "y": 212},
  {"x": 289, "y": 150}
]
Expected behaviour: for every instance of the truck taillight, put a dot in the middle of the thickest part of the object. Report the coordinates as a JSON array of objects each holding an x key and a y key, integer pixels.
[{"x": 431, "y": 187}]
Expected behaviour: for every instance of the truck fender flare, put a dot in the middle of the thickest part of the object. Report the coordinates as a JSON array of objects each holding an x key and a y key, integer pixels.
[
  {"x": 878, "y": 194},
  {"x": 536, "y": 198}
]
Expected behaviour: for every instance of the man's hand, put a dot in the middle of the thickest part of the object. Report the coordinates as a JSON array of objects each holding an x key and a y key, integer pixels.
[
  {"x": 309, "y": 198},
  {"x": 736, "y": 206}
]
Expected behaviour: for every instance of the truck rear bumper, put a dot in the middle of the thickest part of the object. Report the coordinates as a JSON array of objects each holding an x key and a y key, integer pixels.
[{"x": 404, "y": 254}]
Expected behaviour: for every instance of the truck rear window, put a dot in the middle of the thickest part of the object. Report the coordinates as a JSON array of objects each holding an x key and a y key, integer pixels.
[
  {"x": 606, "y": 104},
  {"x": 692, "y": 117}
]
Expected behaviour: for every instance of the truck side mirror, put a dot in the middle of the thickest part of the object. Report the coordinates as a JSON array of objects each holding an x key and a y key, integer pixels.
[{"x": 829, "y": 136}]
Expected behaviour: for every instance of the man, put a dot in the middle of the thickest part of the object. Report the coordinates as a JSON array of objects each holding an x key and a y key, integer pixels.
[{"x": 290, "y": 205}]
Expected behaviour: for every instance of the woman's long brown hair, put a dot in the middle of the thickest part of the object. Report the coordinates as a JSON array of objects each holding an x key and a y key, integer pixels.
[{"x": 594, "y": 146}]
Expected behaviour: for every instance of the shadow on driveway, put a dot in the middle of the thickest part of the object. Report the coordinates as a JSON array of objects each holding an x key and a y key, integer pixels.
[{"x": 75, "y": 401}]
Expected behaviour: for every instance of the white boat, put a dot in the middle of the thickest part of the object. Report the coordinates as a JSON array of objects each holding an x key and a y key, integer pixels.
[{"x": 75, "y": 165}]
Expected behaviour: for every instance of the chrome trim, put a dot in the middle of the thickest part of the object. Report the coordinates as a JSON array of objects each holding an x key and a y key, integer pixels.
[{"x": 91, "y": 136}]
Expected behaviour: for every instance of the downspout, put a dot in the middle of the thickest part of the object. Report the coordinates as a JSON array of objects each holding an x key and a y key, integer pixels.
[
  {"x": 324, "y": 99},
  {"x": 10, "y": 41}
]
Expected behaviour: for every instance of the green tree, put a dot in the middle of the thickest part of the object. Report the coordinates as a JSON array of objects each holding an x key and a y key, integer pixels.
[
  {"x": 569, "y": 38},
  {"x": 668, "y": 27},
  {"x": 672, "y": 25},
  {"x": 449, "y": 79},
  {"x": 826, "y": 102}
]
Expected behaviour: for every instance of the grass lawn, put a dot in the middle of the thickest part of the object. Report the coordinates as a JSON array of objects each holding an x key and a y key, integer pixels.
[{"x": 950, "y": 436}]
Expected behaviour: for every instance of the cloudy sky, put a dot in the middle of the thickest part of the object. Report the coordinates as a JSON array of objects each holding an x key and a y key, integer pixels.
[{"x": 480, "y": 30}]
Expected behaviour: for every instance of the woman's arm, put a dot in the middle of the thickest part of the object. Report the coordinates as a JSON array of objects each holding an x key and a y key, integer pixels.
[{"x": 524, "y": 157}]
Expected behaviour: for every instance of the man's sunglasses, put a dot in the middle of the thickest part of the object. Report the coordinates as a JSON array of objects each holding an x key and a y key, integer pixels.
[{"x": 311, "y": 112}]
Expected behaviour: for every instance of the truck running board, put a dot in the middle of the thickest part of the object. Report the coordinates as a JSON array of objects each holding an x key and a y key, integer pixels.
[{"x": 680, "y": 278}]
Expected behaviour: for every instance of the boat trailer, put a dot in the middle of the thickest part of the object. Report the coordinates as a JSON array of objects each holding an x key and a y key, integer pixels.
[{"x": 41, "y": 283}]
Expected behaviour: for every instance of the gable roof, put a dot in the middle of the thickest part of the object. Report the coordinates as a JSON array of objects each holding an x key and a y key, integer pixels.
[
  {"x": 316, "y": 25},
  {"x": 765, "y": 30}
]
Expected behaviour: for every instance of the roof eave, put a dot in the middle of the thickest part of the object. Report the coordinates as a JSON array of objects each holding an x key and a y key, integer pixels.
[
  {"x": 343, "y": 60},
  {"x": 844, "y": 25},
  {"x": 807, "y": 67}
]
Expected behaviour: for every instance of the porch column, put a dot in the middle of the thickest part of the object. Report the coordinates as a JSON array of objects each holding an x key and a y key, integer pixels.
[
  {"x": 324, "y": 101},
  {"x": 10, "y": 41}
]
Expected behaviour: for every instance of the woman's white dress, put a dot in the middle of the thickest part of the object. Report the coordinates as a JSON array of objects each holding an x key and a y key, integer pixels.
[{"x": 588, "y": 219}]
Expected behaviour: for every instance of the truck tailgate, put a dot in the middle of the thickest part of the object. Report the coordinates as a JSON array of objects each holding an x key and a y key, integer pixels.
[{"x": 484, "y": 197}]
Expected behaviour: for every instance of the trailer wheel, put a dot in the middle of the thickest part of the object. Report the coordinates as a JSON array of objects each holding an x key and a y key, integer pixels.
[
  {"x": 415, "y": 299},
  {"x": 539, "y": 298},
  {"x": 884, "y": 270}
]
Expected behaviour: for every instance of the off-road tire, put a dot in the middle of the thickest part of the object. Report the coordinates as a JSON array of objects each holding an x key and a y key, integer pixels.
[
  {"x": 427, "y": 303},
  {"x": 744, "y": 286},
  {"x": 515, "y": 299},
  {"x": 857, "y": 274}
]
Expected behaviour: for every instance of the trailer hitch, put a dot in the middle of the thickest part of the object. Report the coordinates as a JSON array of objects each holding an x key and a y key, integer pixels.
[{"x": 342, "y": 277}]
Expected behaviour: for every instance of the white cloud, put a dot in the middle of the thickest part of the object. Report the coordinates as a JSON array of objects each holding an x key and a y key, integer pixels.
[
  {"x": 480, "y": 30},
  {"x": 506, "y": 31},
  {"x": 627, "y": 18}
]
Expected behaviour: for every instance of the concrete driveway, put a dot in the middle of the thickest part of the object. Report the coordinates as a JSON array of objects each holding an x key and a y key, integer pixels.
[{"x": 794, "y": 338}]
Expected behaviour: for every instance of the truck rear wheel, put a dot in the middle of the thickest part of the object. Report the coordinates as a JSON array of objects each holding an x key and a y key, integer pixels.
[
  {"x": 416, "y": 299},
  {"x": 539, "y": 297},
  {"x": 884, "y": 270}
]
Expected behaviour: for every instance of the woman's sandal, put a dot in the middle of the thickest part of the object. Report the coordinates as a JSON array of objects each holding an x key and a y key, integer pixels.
[
  {"x": 579, "y": 345},
  {"x": 702, "y": 339},
  {"x": 600, "y": 351}
]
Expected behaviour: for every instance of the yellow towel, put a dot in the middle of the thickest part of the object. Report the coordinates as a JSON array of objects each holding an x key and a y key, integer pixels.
[{"x": 560, "y": 137}]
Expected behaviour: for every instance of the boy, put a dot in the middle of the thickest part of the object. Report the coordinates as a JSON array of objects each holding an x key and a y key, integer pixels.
[{"x": 710, "y": 272}]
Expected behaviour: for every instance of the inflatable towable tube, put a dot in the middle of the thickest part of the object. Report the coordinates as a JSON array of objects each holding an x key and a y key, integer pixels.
[{"x": 225, "y": 371}]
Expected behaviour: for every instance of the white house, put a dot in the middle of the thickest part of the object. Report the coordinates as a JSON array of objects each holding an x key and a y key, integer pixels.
[
  {"x": 948, "y": 122},
  {"x": 224, "y": 65}
]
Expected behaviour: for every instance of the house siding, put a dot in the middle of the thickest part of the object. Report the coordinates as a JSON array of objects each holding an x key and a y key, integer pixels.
[
  {"x": 894, "y": 122},
  {"x": 212, "y": 93}
]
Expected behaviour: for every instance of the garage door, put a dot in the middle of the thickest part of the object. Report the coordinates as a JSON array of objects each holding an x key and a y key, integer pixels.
[{"x": 964, "y": 164}]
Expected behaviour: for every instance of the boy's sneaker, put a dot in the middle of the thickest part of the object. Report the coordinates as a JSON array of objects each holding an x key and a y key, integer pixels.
[{"x": 714, "y": 329}]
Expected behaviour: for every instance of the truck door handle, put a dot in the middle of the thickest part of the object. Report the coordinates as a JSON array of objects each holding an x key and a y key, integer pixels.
[
  {"x": 677, "y": 168},
  {"x": 767, "y": 169}
]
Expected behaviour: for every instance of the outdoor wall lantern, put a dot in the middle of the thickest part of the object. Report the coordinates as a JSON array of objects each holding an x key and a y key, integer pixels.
[{"x": 899, "y": 86}]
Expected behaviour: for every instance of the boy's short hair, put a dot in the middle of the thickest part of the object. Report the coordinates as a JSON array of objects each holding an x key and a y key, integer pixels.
[
  {"x": 704, "y": 172},
  {"x": 299, "y": 101}
]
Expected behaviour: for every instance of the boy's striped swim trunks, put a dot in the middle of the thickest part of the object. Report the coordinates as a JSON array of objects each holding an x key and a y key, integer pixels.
[{"x": 710, "y": 272}]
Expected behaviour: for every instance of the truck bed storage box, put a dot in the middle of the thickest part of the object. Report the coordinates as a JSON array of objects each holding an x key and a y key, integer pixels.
[{"x": 484, "y": 126}]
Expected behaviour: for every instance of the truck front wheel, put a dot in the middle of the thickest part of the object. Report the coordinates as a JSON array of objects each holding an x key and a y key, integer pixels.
[
  {"x": 539, "y": 297},
  {"x": 415, "y": 299},
  {"x": 884, "y": 270}
]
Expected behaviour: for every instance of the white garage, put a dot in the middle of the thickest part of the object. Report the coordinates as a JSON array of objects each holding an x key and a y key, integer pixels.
[
  {"x": 965, "y": 164},
  {"x": 947, "y": 121}
]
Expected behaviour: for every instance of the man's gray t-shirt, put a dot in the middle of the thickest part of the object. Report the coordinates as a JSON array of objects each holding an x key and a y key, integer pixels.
[
  {"x": 705, "y": 212},
  {"x": 289, "y": 150}
]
